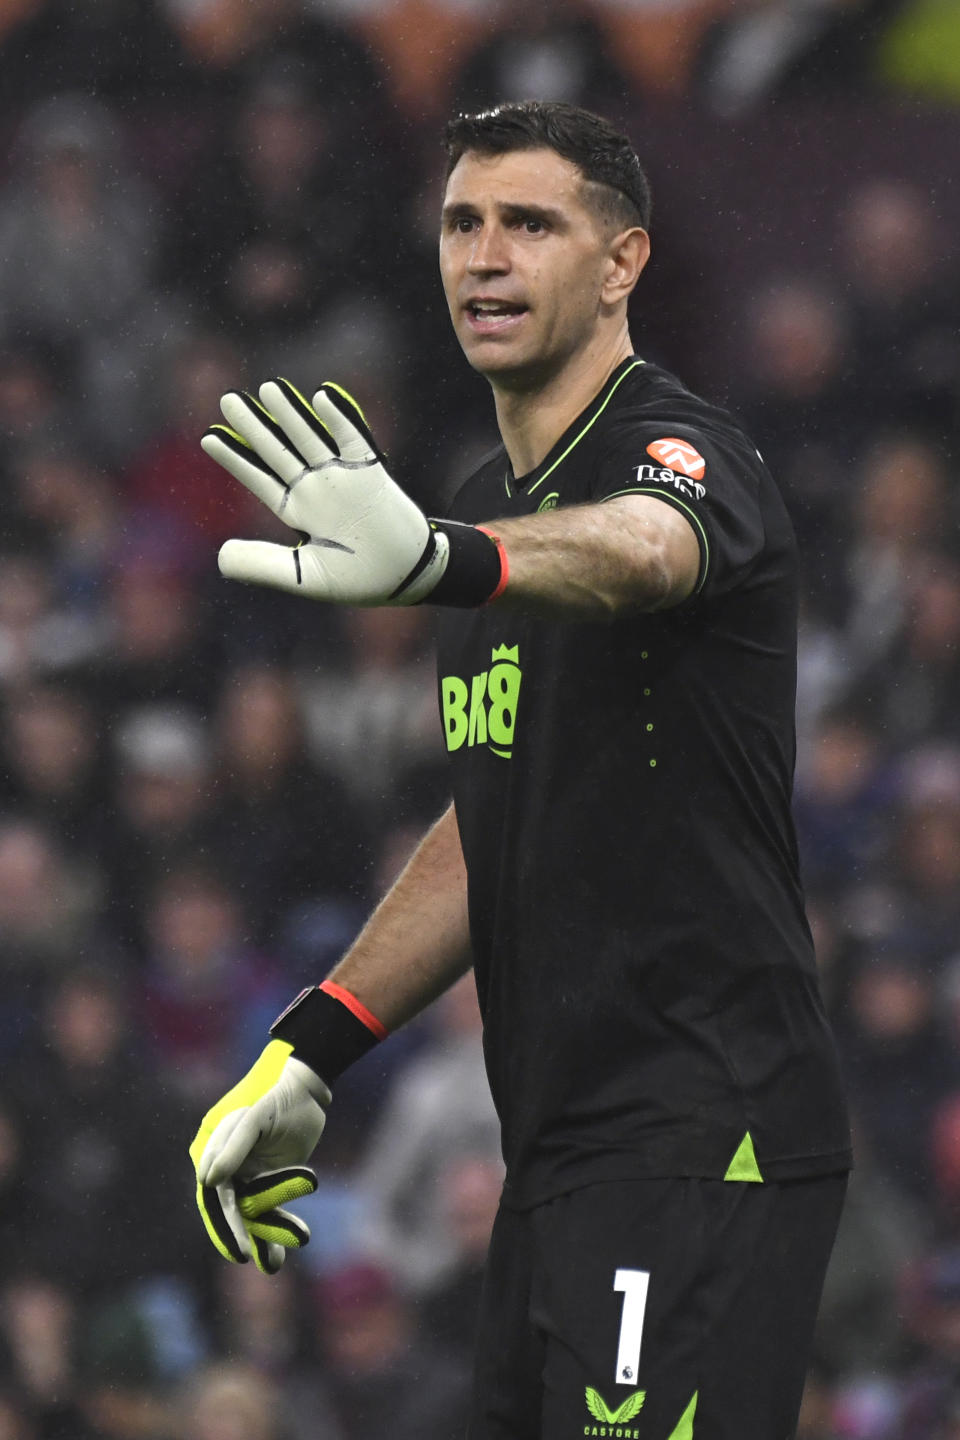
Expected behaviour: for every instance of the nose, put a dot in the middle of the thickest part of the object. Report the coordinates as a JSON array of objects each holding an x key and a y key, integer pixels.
[{"x": 488, "y": 253}]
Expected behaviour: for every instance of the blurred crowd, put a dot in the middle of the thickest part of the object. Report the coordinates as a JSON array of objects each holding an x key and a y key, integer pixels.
[{"x": 204, "y": 788}]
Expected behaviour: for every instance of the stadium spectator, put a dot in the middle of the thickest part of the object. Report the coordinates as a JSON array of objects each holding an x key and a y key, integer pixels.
[
  {"x": 69, "y": 507},
  {"x": 543, "y": 51},
  {"x": 793, "y": 392},
  {"x": 158, "y": 651},
  {"x": 899, "y": 1065},
  {"x": 74, "y": 213},
  {"x": 34, "y": 403},
  {"x": 901, "y": 289},
  {"x": 384, "y": 1377},
  {"x": 881, "y": 1232},
  {"x": 40, "y": 634},
  {"x": 39, "y": 1333},
  {"x": 469, "y": 1194},
  {"x": 228, "y": 1400},
  {"x": 914, "y": 689},
  {"x": 438, "y": 1112},
  {"x": 374, "y": 720},
  {"x": 233, "y": 43},
  {"x": 284, "y": 827},
  {"x": 842, "y": 803},
  {"x": 206, "y": 993},
  {"x": 658, "y": 44},
  {"x": 161, "y": 803},
  {"x": 266, "y": 1326},
  {"x": 169, "y": 481},
  {"x": 420, "y": 44},
  {"x": 51, "y": 740},
  {"x": 101, "y": 1138},
  {"x": 272, "y": 1328},
  {"x": 924, "y": 867},
  {"x": 49, "y": 916},
  {"x": 897, "y": 511},
  {"x": 280, "y": 225}
]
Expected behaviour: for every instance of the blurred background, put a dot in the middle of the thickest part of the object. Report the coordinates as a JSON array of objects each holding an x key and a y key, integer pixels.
[{"x": 204, "y": 788}]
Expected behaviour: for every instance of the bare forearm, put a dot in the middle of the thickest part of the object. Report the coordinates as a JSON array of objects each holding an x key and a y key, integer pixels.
[
  {"x": 416, "y": 943},
  {"x": 593, "y": 561}
]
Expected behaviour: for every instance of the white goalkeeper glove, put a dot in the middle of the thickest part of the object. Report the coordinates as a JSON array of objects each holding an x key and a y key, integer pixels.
[
  {"x": 363, "y": 540},
  {"x": 250, "y": 1154}
]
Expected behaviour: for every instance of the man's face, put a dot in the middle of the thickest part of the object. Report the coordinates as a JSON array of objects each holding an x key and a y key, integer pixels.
[{"x": 523, "y": 260}]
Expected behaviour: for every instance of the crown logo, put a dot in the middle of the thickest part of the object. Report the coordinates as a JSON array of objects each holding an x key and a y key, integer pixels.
[{"x": 509, "y": 656}]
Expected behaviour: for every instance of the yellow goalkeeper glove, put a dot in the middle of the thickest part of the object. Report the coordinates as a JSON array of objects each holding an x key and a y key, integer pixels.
[
  {"x": 363, "y": 541},
  {"x": 249, "y": 1155}
]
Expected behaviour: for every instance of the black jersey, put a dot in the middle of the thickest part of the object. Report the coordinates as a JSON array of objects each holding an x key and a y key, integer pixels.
[{"x": 644, "y": 966}]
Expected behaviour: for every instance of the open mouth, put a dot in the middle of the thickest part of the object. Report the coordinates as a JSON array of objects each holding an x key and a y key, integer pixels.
[{"x": 490, "y": 315}]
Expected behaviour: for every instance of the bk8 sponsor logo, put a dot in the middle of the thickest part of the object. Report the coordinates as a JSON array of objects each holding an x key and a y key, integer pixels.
[{"x": 485, "y": 711}]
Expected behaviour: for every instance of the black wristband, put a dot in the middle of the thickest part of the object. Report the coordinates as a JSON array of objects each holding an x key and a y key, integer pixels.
[
  {"x": 476, "y": 569},
  {"x": 324, "y": 1032}
]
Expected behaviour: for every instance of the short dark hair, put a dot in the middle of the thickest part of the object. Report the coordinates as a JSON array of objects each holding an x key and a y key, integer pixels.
[{"x": 605, "y": 157}]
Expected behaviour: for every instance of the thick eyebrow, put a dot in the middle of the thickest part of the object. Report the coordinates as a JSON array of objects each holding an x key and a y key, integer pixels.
[
  {"x": 511, "y": 213},
  {"x": 457, "y": 211},
  {"x": 556, "y": 219}
]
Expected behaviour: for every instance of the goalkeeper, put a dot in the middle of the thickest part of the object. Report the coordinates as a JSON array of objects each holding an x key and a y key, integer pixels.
[{"x": 617, "y": 588}]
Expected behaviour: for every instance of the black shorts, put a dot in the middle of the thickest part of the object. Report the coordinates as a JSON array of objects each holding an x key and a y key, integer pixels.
[{"x": 653, "y": 1310}]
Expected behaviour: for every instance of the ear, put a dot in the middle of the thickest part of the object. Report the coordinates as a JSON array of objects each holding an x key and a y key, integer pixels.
[{"x": 628, "y": 253}]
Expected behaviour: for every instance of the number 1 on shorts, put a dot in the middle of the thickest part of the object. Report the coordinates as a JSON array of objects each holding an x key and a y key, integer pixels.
[{"x": 634, "y": 1284}]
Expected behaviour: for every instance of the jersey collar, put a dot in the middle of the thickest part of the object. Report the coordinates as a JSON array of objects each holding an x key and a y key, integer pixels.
[{"x": 573, "y": 434}]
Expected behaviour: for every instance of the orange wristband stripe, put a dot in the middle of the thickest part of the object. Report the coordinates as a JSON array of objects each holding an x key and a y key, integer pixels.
[
  {"x": 504, "y": 564},
  {"x": 356, "y": 1008}
]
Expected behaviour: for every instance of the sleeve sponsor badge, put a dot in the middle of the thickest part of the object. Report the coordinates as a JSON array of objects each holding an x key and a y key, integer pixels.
[{"x": 678, "y": 455}]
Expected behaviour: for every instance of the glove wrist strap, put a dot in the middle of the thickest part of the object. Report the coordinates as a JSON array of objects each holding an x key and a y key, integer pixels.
[
  {"x": 328, "y": 1028},
  {"x": 476, "y": 569}
]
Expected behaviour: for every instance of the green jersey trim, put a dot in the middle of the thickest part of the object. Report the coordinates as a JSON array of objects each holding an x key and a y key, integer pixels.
[
  {"x": 684, "y": 1426},
  {"x": 586, "y": 429},
  {"x": 744, "y": 1165},
  {"x": 694, "y": 518}
]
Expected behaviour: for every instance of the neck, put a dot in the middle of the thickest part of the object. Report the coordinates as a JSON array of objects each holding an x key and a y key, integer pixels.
[{"x": 531, "y": 419}]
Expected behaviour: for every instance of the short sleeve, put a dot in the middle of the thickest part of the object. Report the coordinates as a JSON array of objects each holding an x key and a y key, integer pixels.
[{"x": 715, "y": 484}]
